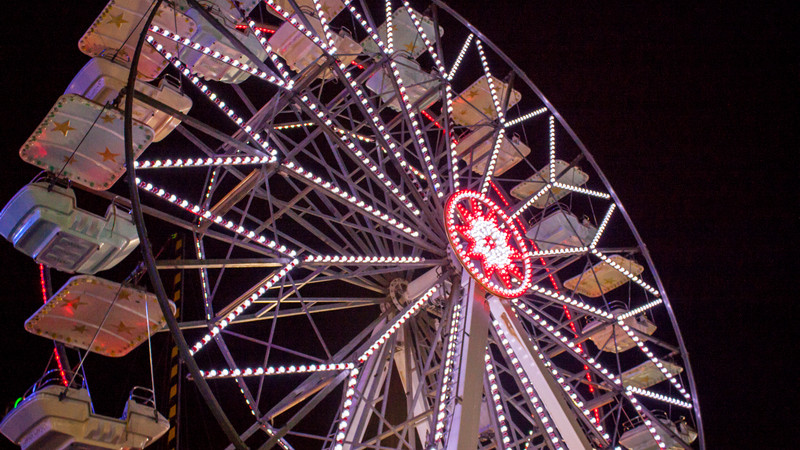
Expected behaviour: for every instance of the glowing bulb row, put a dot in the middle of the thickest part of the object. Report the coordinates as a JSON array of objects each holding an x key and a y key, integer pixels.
[
  {"x": 279, "y": 370},
  {"x": 325, "y": 28},
  {"x": 494, "y": 392},
  {"x": 640, "y": 309},
  {"x": 242, "y": 305},
  {"x": 191, "y": 76},
  {"x": 650, "y": 355},
  {"x": 552, "y": 127},
  {"x": 460, "y": 57},
  {"x": 186, "y": 42},
  {"x": 448, "y": 94},
  {"x": 219, "y": 220},
  {"x": 559, "y": 251},
  {"x": 500, "y": 117},
  {"x": 647, "y": 422},
  {"x": 352, "y": 199},
  {"x": 603, "y": 225},
  {"x": 203, "y": 277},
  {"x": 282, "y": 70},
  {"x": 389, "y": 28},
  {"x": 659, "y": 397},
  {"x": 333, "y": 259},
  {"x": 581, "y": 190},
  {"x": 625, "y": 272},
  {"x": 447, "y": 374},
  {"x": 572, "y": 302},
  {"x": 337, "y": 129},
  {"x": 405, "y": 101},
  {"x": 203, "y": 162},
  {"x": 399, "y": 321},
  {"x": 530, "y": 202},
  {"x": 344, "y": 417},
  {"x": 526, "y": 383},
  {"x": 293, "y": 125},
  {"x": 530, "y": 115}
]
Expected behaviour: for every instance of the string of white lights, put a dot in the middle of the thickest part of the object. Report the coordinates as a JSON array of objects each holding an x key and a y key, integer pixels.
[
  {"x": 527, "y": 116},
  {"x": 344, "y": 417},
  {"x": 603, "y": 225},
  {"x": 581, "y": 190},
  {"x": 202, "y": 162},
  {"x": 494, "y": 392},
  {"x": 340, "y": 259},
  {"x": 640, "y": 309},
  {"x": 399, "y": 321},
  {"x": 276, "y": 370},
  {"x": 571, "y": 302},
  {"x": 659, "y": 397},
  {"x": 352, "y": 199},
  {"x": 446, "y": 382},
  {"x": 460, "y": 57},
  {"x": 625, "y": 272},
  {"x": 529, "y": 202},
  {"x": 500, "y": 117},
  {"x": 242, "y": 305},
  {"x": 552, "y": 128},
  {"x": 559, "y": 251}
]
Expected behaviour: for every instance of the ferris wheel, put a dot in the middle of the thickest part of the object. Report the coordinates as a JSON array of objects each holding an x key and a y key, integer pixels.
[{"x": 389, "y": 237}]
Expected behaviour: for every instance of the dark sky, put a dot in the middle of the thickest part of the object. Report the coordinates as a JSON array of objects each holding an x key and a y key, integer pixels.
[{"x": 692, "y": 112}]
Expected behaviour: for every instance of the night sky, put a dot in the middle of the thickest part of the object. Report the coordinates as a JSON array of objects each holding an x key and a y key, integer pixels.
[{"x": 691, "y": 112}]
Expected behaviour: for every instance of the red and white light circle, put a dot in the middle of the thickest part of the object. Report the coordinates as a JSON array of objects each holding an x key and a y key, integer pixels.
[{"x": 479, "y": 230}]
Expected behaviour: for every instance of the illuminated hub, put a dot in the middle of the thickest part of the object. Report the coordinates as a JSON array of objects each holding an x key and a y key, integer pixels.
[{"x": 479, "y": 230}]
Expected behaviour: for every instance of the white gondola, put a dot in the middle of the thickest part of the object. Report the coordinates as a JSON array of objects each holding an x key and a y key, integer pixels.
[
  {"x": 45, "y": 419},
  {"x": 101, "y": 81},
  {"x": 300, "y": 52},
  {"x": 640, "y": 438},
  {"x": 603, "y": 278},
  {"x": 405, "y": 35},
  {"x": 83, "y": 141},
  {"x": 476, "y": 147},
  {"x": 560, "y": 230},
  {"x": 46, "y": 225},
  {"x": 208, "y": 35},
  {"x": 110, "y": 317},
  {"x": 647, "y": 374},
  {"x": 475, "y": 106},
  {"x": 416, "y": 82},
  {"x": 610, "y": 337},
  {"x": 115, "y": 31},
  {"x": 572, "y": 176}
]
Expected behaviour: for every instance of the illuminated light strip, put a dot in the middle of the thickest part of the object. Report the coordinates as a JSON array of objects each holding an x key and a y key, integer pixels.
[
  {"x": 203, "y": 277},
  {"x": 355, "y": 201},
  {"x": 640, "y": 309},
  {"x": 602, "y": 226},
  {"x": 530, "y": 115},
  {"x": 361, "y": 97},
  {"x": 572, "y": 302},
  {"x": 647, "y": 422},
  {"x": 581, "y": 190},
  {"x": 448, "y": 92},
  {"x": 294, "y": 125},
  {"x": 660, "y": 397},
  {"x": 242, "y": 306},
  {"x": 282, "y": 70},
  {"x": 389, "y": 28},
  {"x": 43, "y": 286},
  {"x": 563, "y": 383},
  {"x": 494, "y": 390},
  {"x": 186, "y": 42},
  {"x": 397, "y": 324},
  {"x": 500, "y": 117},
  {"x": 530, "y": 202},
  {"x": 449, "y": 363},
  {"x": 460, "y": 57},
  {"x": 654, "y": 360},
  {"x": 344, "y": 417},
  {"x": 552, "y": 127},
  {"x": 559, "y": 251},
  {"x": 364, "y": 259},
  {"x": 272, "y": 370},
  {"x": 203, "y": 162},
  {"x": 238, "y": 121},
  {"x": 625, "y": 272},
  {"x": 260, "y": 29},
  {"x": 526, "y": 382},
  {"x": 355, "y": 135},
  {"x": 325, "y": 28},
  {"x": 208, "y": 215}
]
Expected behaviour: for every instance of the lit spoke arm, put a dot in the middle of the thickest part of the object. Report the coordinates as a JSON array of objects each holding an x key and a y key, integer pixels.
[
  {"x": 186, "y": 42},
  {"x": 602, "y": 226},
  {"x": 238, "y": 121},
  {"x": 219, "y": 220},
  {"x": 640, "y": 309},
  {"x": 625, "y": 272},
  {"x": 559, "y": 251},
  {"x": 240, "y": 306},
  {"x": 552, "y": 130},
  {"x": 652, "y": 357},
  {"x": 236, "y": 160},
  {"x": 529, "y": 202},
  {"x": 500, "y": 117},
  {"x": 573, "y": 303},
  {"x": 460, "y": 57},
  {"x": 581, "y": 190},
  {"x": 494, "y": 395},
  {"x": 525, "y": 117},
  {"x": 447, "y": 382},
  {"x": 365, "y": 260},
  {"x": 276, "y": 370},
  {"x": 351, "y": 199}
]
